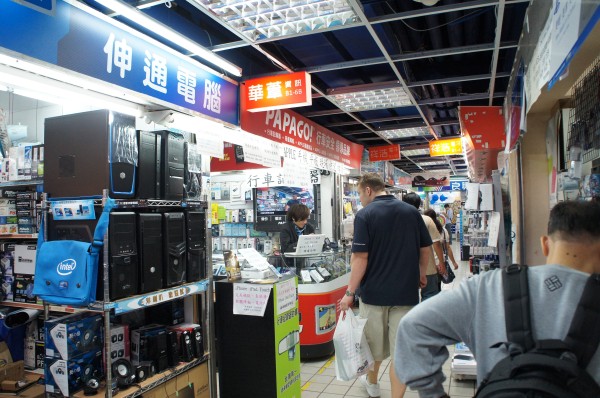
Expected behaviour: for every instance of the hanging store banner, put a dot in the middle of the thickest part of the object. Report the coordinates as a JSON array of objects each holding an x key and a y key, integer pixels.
[
  {"x": 100, "y": 47},
  {"x": 430, "y": 180},
  {"x": 288, "y": 127},
  {"x": 451, "y": 146},
  {"x": 278, "y": 92},
  {"x": 384, "y": 152}
]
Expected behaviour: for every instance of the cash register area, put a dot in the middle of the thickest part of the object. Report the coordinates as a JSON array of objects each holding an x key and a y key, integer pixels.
[{"x": 318, "y": 376}]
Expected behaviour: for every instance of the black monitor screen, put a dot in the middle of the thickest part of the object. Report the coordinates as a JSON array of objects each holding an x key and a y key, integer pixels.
[{"x": 271, "y": 206}]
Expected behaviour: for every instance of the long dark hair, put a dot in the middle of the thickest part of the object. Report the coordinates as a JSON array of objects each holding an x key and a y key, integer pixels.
[{"x": 432, "y": 214}]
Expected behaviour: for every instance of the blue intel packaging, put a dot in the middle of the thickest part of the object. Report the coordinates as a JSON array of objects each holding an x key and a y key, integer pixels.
[{"x": 73, "y": 335}]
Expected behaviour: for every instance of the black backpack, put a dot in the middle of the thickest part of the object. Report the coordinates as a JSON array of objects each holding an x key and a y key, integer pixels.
[{"x": 544, "y": 368}]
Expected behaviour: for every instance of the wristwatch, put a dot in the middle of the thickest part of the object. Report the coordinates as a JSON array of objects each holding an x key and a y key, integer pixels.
[{"x": 349, "y": 293}]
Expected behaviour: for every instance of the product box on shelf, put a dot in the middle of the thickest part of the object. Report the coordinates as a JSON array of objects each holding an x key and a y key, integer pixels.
[
  {"x": 169, "y": 313},
  {"x": 9, "y": 229},
  {"x": 37, "y": 164},
  {"x": 119, "y": 342},
  {"x": 8, "y": 282},
  {"x": 7, "y": 258},
  {"x": 150, "y": 344},
  {"x": 68, "y": 376},
  {"x": 40, "y": 354},
  {"x": 23, "y": 289},
  {"x": 29, "y": 353},
  {"x": 72, "y": 335},
  {"x": 25, "y": 259}
]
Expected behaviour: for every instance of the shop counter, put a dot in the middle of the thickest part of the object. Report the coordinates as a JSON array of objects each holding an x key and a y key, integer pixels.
[{"x": 323, "y": 280}]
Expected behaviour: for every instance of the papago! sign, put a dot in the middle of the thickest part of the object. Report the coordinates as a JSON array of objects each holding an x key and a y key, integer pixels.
[{"x": 290, "y": 128}]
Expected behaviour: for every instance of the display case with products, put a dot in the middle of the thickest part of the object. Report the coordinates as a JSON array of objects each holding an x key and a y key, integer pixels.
[{"x": 322, "y": 281}]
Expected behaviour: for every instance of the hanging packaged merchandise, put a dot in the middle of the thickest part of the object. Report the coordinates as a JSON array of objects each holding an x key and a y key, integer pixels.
[{"x": 67, "y": 270}]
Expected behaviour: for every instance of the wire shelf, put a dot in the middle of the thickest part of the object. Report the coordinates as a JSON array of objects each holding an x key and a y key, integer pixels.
[{"x": 584, "y": 117}]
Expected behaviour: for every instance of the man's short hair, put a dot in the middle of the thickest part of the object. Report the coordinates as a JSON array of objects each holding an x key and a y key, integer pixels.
[
  {"x": 575, "y": 221},
  {"x": 373, "y": 181},
  {"x": 412, "y": 199},
  {"x": 446, "y": 206},
  {"x": 298, "y": 212}
]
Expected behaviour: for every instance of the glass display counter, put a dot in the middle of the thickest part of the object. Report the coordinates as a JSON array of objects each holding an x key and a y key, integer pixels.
[{"x": 322, "y": 282}]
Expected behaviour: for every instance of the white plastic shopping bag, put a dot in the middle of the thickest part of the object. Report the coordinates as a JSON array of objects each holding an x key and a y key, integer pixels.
[{"x": 353, "y": 356}]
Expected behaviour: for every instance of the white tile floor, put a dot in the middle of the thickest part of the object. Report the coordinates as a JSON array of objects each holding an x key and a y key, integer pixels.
[{"x": 318, "y": 377}]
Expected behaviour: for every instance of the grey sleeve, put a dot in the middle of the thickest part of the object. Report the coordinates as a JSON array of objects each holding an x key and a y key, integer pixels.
[{"x": 425, "y": 332}]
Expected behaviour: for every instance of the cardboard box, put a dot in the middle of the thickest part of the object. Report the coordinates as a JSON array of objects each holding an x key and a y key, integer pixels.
[
  {"x": 197, "y": 377},
  {"x": 25, "y": 259},
  {"x": 23, "y": 289},
  {"x": 40, "y": 354},
  {"x": 119, "y": 342}
]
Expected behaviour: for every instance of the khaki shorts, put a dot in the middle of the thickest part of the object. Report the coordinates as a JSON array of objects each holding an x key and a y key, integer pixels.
[{"x": 381, "y": 327}]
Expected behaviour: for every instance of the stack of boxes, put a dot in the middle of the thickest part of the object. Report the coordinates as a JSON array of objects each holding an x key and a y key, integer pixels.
[
  {"x": 7, "y": 262},
  {"x": 23, "y": 163},
  {"x": 8, "y": 214},
  {"x": 73, "y": 352},
  {"x": 27, "y": 213}
]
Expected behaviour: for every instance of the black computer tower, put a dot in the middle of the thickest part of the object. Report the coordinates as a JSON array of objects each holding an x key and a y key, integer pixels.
[
  {"x": 192, "y": 181},
  {"x": 174, "y": 247},
  {"x": 81, "y": 230},
  {"x": 195, "y": 222},
  {"x": 172, "y": 165},
  {"x": 88, "y": 152},
  {"x": 123, "y": 255},
  {"x": 148, "y": 181},
  {"x": 150, "y": 249}
]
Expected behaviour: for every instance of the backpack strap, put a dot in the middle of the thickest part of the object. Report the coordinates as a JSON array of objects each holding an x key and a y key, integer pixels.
[
  {"x": 517, "y": 306},
  {"x": 585, "y": 338}
]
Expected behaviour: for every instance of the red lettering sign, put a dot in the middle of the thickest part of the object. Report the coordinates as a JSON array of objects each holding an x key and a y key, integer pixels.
[
  {"x": 277, "y": 92},
  {"x": 384, "y": 152}
]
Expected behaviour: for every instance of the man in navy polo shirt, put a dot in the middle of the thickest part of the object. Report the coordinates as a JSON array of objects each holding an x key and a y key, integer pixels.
[{"x": 389, "y": 260}]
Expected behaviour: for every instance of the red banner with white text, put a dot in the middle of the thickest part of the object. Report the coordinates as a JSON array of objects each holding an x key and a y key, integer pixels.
[{"x": 290, "y": 128}]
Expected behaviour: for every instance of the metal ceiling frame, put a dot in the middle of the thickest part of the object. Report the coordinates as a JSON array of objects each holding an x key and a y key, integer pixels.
[
  {"x": 376, "y": 20},
  {"x": 494, "y": 66}
]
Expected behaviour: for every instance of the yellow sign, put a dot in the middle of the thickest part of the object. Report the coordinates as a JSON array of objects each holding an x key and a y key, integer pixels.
[{"x": 452, "y": 146}]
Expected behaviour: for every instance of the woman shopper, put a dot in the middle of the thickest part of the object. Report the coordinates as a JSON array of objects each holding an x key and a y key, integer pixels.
[{"x": 447, "y": 248}]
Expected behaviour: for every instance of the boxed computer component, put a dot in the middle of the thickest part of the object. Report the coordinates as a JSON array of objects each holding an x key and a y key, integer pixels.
[
  {"x": 25, "y": 259},
  {"x": 169, "y": 313},
  {"x": 23, "y": 289},
  {"x": 150, "y": 344},
  {"x": 72, "y": 335},
  {"x": 68, "y": 376},
  {"x": 119, "y": 342}
]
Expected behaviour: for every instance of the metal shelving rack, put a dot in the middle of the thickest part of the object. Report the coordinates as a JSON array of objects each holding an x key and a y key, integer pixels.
[{"x": 118, "y": 307}]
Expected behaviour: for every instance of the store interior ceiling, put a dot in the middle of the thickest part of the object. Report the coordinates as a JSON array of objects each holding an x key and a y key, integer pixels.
[{"x": 409, "y": 63}]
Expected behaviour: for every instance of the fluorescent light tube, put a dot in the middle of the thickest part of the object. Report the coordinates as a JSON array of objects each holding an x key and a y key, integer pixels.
[{"x": 137, "y": 16}]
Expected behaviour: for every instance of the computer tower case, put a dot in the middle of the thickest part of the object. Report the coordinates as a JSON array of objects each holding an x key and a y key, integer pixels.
[
  {"x": 148, "y": 181},
  {"x": 195, "y": 222},
  {"x": 192, "y": 182},
  {"x": 150, "y": 249},
  {"x": 174, "y": 246},
  {"x": 80, "y": 230},
  {"x": 123, "y": 255},
  {"x": 88, "y": 152},
  {"x": 172, "y": 165}
]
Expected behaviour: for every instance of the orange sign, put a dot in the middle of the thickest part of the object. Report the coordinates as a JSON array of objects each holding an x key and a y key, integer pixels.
[
  {"x": 277, "y": 92},
  {"x": 384, "y": 152},
  {"x": 452, "y": 146}
]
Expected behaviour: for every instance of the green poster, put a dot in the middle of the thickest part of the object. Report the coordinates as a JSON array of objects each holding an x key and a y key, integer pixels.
[{"x": 287, "y": 338}]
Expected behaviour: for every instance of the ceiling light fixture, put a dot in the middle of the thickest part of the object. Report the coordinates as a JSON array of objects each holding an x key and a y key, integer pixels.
[
  {"x": 137, "y": 16},
  {"x": 432, "y": 163},
  {"x": 44, "y": 89},
  {"x": 261, "y": 19},
  {"x": 372, "y": 99},
  {"x": 404, "y": 133},
  {"x": 415, "y": 152}
]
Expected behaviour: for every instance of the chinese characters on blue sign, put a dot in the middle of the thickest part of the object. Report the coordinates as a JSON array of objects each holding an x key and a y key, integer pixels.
[{"x": 106, "y": 50}]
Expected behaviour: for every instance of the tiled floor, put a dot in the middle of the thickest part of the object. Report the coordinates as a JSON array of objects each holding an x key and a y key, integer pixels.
[{"x": 318, "y": 377}]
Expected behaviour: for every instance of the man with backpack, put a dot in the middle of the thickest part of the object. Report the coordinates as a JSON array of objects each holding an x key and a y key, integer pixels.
[{"x": 534, "y": 331}]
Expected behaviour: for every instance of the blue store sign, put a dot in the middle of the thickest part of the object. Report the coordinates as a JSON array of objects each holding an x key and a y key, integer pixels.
[{"x": 99, "y": 47}]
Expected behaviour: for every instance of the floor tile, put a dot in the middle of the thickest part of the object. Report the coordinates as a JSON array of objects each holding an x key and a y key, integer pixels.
[
  {"x": 310, "y": 394},
  {"x": 335, "y": 389},
  {"x": 310, "y": 386},
  {"x": 355, "y": 391},
  {"x": 322, "y": 379}
]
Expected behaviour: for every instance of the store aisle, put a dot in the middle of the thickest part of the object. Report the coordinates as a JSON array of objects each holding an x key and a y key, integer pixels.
[{"x": 318, "y": 377}]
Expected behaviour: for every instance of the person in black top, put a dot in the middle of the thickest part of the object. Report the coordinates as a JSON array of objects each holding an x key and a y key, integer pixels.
[{"x": 297, "y": 224}]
